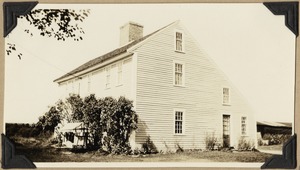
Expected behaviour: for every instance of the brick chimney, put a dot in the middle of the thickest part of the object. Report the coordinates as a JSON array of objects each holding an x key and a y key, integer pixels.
[{"x": 129, "y": 32}]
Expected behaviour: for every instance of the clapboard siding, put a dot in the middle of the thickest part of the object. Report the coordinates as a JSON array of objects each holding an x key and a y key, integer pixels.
[
  {"x": 201, "y": 97},
  {"x": 97, "y": 83}
]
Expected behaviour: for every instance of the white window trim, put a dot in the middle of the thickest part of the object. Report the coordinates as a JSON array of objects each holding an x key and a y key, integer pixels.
[
  {"x": 183, "y": 121},
  {"x": 73, "y": 86},
  {"x": 117, "y": 71},
  {"x": 229, "y": 95},
  {"x": 183, "y": 73},
  {"x": 183, "y": 40},
  {"x": 107, "y": 84},
  {"x": 247, "y": 125},
  {"x": 89, "y": 83}
]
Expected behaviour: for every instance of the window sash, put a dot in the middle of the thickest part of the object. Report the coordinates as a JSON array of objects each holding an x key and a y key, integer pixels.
[
  {"x": 178, "y": 41},
  {"x": 178, "y": 122},
  {"x": 89, "y": 83},
  {"x": 226, "y": 95},
  {"x": 120, "y": 73},
  {"x": 178, "y": 74},
  {"x": 107, "y": 77},
  {"x": 244, "y": 125}
]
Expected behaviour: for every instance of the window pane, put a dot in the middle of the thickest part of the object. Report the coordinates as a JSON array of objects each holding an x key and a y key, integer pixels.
[
  {"x": 107, "y": 77},
  {"x": 178, "y": 74},
  {"x": 226, "y": 95},
  {"x": 178, "y": 122},
  {"x": 178, "y": 41},
  {"x": 120, "y": 73},
  {"x": 243, "y": 125}
]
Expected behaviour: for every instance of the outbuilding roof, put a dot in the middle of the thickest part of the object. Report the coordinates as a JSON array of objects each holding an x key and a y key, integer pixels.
[
  {"x": 70, "y": 126},
  {"x": 107, "y": 56},
  {"x": 274, "y": 124}
]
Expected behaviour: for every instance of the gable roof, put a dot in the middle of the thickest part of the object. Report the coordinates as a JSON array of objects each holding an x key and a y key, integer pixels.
[{"x": 108, "y": 55}]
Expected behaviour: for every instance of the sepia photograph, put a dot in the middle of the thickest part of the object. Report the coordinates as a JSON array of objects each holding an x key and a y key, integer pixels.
[{"x": 154, "y": 84}]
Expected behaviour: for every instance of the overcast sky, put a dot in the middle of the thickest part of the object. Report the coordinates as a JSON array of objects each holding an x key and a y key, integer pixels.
[{"x": 250, "y": 45}]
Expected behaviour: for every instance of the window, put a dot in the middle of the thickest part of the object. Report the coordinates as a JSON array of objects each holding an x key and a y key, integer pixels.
[
  {"x": 120, "y": 73},
  {"x": 179, "y": 41},
  {"x": 244, "y": 125},
  {"x": 178, "y": 77},
  {"x": 73, "y": 91},
  {"x": 107, "y": 77},
  {"x": 226, "y": 96},
  {"x": 178, "y": 122},
  {"x": 89, "y": 83}
]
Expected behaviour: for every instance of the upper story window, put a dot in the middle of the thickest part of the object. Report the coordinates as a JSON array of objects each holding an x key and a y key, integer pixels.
[
  {"x": 226, "y": 96},
  {"x": 244, "y": 125},
  {"x": 179, "y": 41},
  {"x": 89, "y": 83},
  {"x": 107, "y": 70},
  {"x": 120, "y": 73},
  {"x": 178, "y": 74},
  {"x": 179, "y": 122}
]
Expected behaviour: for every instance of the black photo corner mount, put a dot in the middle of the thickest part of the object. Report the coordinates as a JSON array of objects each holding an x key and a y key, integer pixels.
[
  {"x": 10, "y": 160},
  {"x": 289, "y": 10},
  {"x": 11, "y": 10},
  {"x": 288, "y": 159}
]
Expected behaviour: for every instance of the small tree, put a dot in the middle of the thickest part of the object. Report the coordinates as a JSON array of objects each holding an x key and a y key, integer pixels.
[
  {"x": 91, "y": 116},
  {"x": 120, "y": 120},
  {"x": 50, "y": 119},
  {"x": 76, "y": 105}
]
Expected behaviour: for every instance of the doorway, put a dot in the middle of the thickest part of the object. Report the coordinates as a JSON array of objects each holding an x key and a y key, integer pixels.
[{"x": 226, "y": 131}]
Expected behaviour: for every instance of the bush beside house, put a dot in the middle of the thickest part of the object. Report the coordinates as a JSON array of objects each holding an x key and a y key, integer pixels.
[{"x": 109, "y": 121}]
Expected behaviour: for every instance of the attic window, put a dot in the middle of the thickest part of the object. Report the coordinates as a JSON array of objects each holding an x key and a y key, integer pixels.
[
  {"x": 226, "y": 96},
  {"x": 178, "y": 41}
]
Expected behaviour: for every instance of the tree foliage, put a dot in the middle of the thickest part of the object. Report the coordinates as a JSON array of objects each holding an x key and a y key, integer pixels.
[
  {"x": 50, "y": 119},
  {"x": 119, "y": 121},
  {"x": 110, "y": 121},
  {"x": 60, "y": 24}
]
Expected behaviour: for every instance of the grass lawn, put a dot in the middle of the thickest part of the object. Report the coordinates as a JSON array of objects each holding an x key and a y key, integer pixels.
[{"x": 38, "y": 150}]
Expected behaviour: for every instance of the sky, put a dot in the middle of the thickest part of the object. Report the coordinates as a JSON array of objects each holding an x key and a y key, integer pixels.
[{"x": 250, "y": 45}]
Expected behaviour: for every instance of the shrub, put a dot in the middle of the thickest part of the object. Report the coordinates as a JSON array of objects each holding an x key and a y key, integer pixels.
[
  {"x": 149, "y": 147},
  {"x": 275, "y": 139},
  {"x": 113, "y": 117},
  {"x": 118, "y": 121},
  {"x": 245, "y": 145},
  {"x": 179, "y": 148},
  {"x": 168, "y": 149},
  {"x": 137, "y": 151},
  {"x": 211, "y": 141}
]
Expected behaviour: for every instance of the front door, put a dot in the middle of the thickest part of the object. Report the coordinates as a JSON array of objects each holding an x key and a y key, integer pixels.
[{"x": 226, "y": 131}]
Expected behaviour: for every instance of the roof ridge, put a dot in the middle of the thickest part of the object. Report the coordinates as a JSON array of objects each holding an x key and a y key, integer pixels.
[{"x": 109, "y": 55}]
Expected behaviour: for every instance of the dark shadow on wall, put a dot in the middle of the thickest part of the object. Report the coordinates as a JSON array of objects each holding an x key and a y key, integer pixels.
[{"x": 141, "y": 132}]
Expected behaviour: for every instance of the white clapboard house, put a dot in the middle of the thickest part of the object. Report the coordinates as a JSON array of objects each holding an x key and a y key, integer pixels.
[{"x": 179, "y": 93}]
